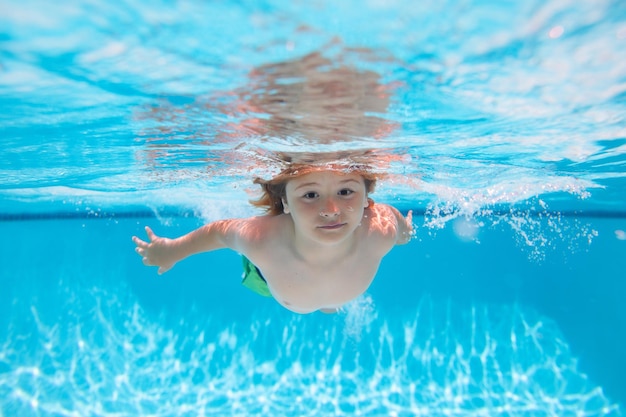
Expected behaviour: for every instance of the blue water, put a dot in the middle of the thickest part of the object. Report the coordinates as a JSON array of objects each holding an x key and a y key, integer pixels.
[{"x": 501, "y": 125}]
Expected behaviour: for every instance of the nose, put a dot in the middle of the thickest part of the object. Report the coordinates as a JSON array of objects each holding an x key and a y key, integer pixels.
[{"x": 329, "y": 209}]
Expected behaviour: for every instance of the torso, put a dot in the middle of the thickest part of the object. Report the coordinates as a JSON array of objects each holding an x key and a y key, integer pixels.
[{"x": 302, "y": 287}]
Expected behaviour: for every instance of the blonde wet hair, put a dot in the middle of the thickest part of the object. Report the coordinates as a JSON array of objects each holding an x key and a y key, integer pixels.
[{"x": 273, "y": 190}]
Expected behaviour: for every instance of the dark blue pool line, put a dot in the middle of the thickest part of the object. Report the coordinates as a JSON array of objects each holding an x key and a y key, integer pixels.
[{"x": 148, "y": 214}]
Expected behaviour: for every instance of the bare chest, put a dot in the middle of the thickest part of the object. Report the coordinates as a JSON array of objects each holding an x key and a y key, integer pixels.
[{"x": 305, "y": 288}]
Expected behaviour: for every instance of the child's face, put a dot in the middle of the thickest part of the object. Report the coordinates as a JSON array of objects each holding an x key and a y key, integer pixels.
[{"x": 326, "y": 206}]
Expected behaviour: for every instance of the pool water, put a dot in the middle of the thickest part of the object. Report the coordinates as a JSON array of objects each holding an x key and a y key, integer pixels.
[
  {"x": 501, "y": 126},
  {"x": 88, "y": 331}
]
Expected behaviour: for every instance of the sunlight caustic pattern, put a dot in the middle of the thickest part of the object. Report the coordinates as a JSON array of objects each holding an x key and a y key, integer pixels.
[{"x": 109, "y": 358}]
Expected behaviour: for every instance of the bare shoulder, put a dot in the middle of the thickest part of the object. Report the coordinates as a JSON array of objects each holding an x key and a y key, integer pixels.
[
  {"x": 255, "y": 233},
  {"x": 268, "y": 222},
  {"x": 258, "y": 228},
  {"x": 385, "y": 226},
  {"x": 382, "y": 218}
]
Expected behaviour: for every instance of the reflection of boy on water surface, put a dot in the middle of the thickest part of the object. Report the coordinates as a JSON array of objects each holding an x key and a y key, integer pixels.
[
  {"x": 315, "y": 100},
  {"x": 307, "y": 101},
  {"x": 322, "y": 239}
]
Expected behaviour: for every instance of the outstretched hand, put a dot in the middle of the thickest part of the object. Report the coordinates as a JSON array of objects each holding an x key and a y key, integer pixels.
[{"x": 158, "y": 251}]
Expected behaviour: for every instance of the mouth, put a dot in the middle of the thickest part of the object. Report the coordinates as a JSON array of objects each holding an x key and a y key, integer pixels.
[{"x": 332, "y": 226}]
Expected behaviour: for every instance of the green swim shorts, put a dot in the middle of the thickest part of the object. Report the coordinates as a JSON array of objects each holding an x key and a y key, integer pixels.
[{"x": 253, "y": 279}]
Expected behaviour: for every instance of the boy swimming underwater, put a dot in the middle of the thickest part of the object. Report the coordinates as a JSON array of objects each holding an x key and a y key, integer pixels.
[{"x": 318, "y": 247}]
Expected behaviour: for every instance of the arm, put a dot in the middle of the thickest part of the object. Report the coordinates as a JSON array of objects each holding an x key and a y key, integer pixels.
[
  {"x": 387, "y": 228},
  {"x": 391, "y": 225},
  {"x": 164, "y": 252}
]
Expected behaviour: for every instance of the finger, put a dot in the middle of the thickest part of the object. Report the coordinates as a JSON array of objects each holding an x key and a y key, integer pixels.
[
  {"x": 140, "y": 243},
  {"x": 145, "y": 261},
  {"x": 140, "y": 251},
  {"x": 150, "y": 234}
]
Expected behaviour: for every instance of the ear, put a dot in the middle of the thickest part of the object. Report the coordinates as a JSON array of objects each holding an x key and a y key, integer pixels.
[{"x": 285, "y": 206}]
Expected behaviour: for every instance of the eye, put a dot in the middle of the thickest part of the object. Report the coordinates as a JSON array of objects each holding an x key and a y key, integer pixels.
[
  {"x": 310, "y": 195},
  {"x": 345, "y": 192}
]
